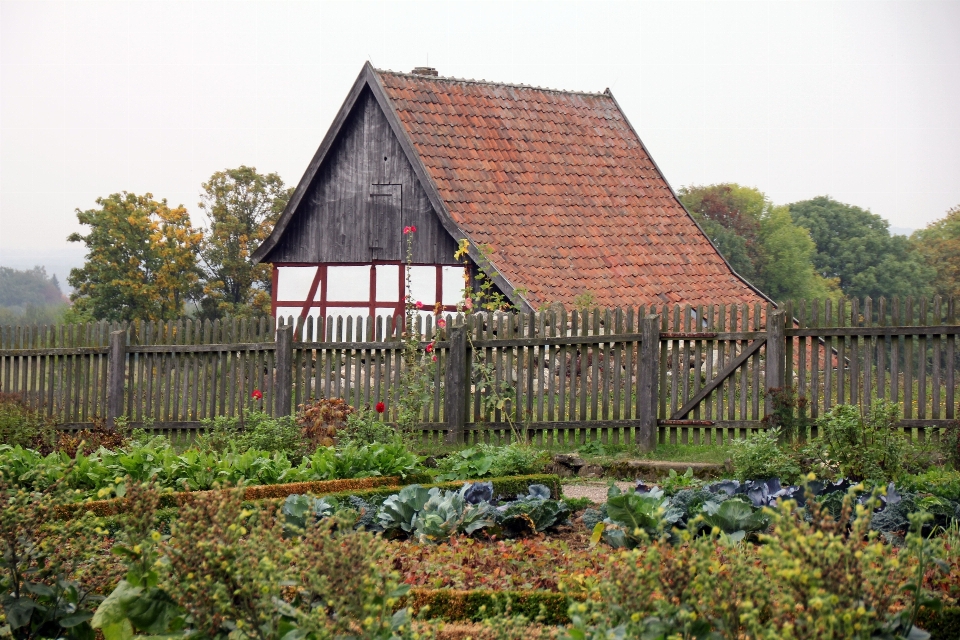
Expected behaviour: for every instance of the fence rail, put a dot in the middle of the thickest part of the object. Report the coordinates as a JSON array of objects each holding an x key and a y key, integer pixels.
[{"x": 661, "y": 374}]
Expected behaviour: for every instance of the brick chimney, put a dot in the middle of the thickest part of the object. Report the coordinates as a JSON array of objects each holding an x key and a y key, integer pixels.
[{"x": 424, "y": 71}]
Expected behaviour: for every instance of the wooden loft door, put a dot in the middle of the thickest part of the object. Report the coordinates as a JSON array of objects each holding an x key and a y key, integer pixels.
[{"x": 384, "y": 224}]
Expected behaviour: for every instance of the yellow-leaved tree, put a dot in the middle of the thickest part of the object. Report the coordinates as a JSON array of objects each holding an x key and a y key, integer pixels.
[
  {"x": 939, "y": 244},
  {"x": 141, "y": 260}
]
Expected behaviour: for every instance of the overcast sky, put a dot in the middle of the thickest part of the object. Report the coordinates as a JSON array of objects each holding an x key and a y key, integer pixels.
[{"x": 857, "y": 100}]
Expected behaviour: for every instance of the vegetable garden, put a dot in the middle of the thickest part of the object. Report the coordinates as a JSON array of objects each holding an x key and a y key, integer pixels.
[{"x": 266, "y": 530}]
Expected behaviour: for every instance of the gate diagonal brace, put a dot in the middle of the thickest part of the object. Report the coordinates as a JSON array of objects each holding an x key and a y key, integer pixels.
[{"x": 717, "y": 381}]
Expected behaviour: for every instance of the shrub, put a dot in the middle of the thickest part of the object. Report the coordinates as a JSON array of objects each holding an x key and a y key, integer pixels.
[
  {"x": 760, "y": 457},
  {"x": 21, "y": 425},
  {"x": 816, "y": 578},
  {"x": 40, "y": 595},
  {"x": 950, "y": 444},
  {"x": 321, "y": 420},
  {"x": 863, "y": 447},
  {"x": 227, "y": 571},
  {"x": 257, "y": 431},
  {"x": 366, "y": 427}
]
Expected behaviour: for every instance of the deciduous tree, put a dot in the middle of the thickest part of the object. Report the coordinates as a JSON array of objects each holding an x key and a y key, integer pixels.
[
  {"x": 939, "y": 244},
  {"x": 141, "y": 260},
  {"x": 856, "y": 247},
  {"x": 758, "y": 239},
  {"x": 241, "y": 206}
]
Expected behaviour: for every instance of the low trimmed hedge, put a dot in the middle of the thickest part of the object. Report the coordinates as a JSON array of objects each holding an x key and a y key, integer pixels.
[
  {"x": 451, "y": 605},
  {"x": 366, "y": 488},
  {"x": 941, "y": 625},
  {"x": 254, "y": 493}
]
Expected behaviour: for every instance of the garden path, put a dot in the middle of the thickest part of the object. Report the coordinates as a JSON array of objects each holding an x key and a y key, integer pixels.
[{"x": 596, "y": 491}]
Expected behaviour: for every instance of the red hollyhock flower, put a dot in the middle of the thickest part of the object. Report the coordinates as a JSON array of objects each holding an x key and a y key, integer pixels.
[
  {"x": 418, "y": 304},
  {"x": 434, "y": 358},
  {"x": 256, "y": 394},
  {"x": 441, "y": 323},
  {"x": 430, "y": 347},
  {"x": 380, "y": 407}
]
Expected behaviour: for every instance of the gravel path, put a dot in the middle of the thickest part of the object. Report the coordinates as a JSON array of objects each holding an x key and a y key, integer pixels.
[{"x": 596, "y": 491}]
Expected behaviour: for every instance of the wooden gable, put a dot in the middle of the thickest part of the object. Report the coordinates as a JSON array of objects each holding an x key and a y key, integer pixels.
[{"x": 357, "y": 203}]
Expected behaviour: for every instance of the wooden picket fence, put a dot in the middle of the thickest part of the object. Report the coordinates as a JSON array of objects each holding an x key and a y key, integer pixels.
[{"x": 663, "y": 374}]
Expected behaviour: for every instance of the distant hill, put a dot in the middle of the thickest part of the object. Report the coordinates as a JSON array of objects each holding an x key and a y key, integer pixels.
[
  {"x": 30, "y": 296},
  {"x": 29, "y": 287}
]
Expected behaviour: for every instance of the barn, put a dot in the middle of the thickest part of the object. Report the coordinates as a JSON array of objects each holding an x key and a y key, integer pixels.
[{"x": 554, "y": 191}]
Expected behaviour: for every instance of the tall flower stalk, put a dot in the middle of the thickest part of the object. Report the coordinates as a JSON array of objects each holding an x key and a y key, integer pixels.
[
  {"x": 417, "y": 374},
  {"x": 494, "y": 395}
]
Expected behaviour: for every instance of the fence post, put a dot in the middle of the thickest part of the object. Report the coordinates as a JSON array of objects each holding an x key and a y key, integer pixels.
[
  {"x": 283, "y": 388},
  {"x": 455, "y": 384},
  {"x": 776, "y": 349},
  {"x": 647, "y": 385},
  {"x": 116, "y": 367}
]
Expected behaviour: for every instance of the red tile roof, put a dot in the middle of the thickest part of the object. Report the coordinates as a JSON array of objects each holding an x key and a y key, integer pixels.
[{"x": 558, "y": 184}]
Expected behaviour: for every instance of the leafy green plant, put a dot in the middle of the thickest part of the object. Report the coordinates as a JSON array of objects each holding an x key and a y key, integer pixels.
[
  {"x": 103, "y": 473},
  {"x": 469, "y": 463},
  {"x": 675, "y": 482},
  {"x": 484, "y": 460},
  {"x": 864, "y": 447},
  {"x": 354, "y": 461},
  {"x": 578, "y": 504},
  {"x": 532, "y": 515},
  {"x": 759, "y": 456},
  {"x": 398, "y": 512},
  {"x": 633, "y": 519},
  {"x": 944, "y": 483},
  {"x": 446, "y": 513},
  {"x": 298, "y": 509},
  {"x": 736, "y": 518}
]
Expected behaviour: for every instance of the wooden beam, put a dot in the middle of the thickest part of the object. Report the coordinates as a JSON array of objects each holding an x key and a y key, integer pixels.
[
  {"x": 116, "y": 370},
  {"x": 713, "y": 384},
  {"x": 284, "y": 371},
  {"x": 456, "y": 385},
  {"x": 776, "y": 350},
  {"x": 649, "y": 375}
]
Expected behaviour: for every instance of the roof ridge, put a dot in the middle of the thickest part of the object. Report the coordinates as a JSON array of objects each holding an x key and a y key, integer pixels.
[{"x": 594, "y": 94}]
